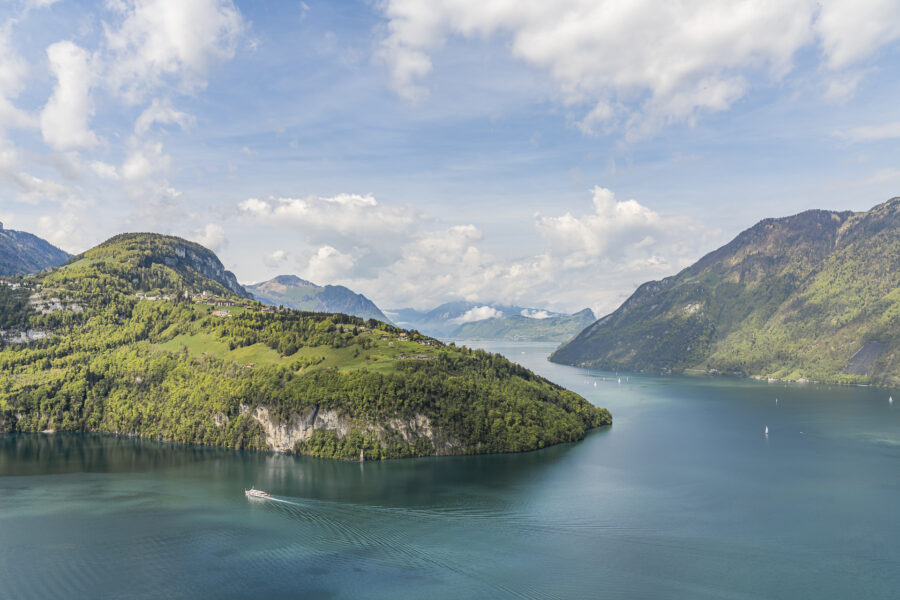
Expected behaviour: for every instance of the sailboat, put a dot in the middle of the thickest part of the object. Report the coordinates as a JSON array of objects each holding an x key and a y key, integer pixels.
[
  {"x": 767, "y": 430},
  {"x": 891, "y": 400}
]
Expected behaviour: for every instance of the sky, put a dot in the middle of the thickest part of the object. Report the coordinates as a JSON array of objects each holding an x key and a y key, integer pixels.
[{"x": 552, "y": 155}]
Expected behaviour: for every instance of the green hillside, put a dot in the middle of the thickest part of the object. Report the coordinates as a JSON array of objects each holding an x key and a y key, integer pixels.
[
  {"x": 813, "y": 296},
  {"x": 518, "y": 327},
  {"x": 147, "y": 335}
]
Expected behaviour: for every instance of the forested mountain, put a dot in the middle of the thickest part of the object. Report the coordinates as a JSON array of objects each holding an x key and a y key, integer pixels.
[
  {"x": 813, "y": 296},
  {"x": 22, "y": 253},
  {"x": 148, "y": 335},
  {"x": 518, "y": 327},
  {"x": 292, "y": 292}
]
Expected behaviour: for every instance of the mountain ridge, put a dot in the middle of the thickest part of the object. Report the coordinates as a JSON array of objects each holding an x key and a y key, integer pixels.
[
  {"x": 520, "y": 327},
  {"x": 293, "y": 292},
  {"x": 22, "y": 253},
  {"x": 790, "y": 298},
  {"x": 131, "y": 337}
]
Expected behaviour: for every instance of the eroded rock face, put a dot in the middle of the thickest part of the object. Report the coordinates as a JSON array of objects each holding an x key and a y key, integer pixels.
[{"x": 283, "y": 436}]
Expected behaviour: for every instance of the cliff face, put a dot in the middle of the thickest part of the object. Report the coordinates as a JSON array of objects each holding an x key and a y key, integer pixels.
[
  {"x": 283, "y": 436},
  {"x": 205, "y": 263},
  {"x": 790, "y": 298},
  {"x": 22, "y": 253},
  {"x": 138, "y": 257}
]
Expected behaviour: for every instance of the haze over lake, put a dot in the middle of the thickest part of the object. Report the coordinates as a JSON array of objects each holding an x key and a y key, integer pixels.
[{"x": 684, "y": 497}]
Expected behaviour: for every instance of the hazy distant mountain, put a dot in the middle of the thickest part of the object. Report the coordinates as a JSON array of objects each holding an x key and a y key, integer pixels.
[
  {"x": 22, "y": 253},
  {"x": 446, "y": 319},
  {"x": 518, "y": 327},
  {"x": 813, "y": 296},
  {"x": 292, "y": 292}
]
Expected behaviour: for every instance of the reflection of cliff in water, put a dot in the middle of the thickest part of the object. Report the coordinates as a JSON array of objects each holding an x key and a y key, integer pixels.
[
  {"x": 41, "y": 454},
  {"x": 420, "y": 481}
]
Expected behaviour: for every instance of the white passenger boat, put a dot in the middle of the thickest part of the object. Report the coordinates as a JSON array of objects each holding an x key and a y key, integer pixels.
[{"x": 254, "y": 493}]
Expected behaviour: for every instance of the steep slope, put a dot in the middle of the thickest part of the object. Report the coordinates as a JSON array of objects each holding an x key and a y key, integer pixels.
[
  {"x": 791, "y": 298},
  {"x": 145, "y": 335},
  {"x": 519, "y": 327},
  {"x": 22, "y": 253},
  {"x": 147, "y": 262},
  {"x": 292, "y": 292}
]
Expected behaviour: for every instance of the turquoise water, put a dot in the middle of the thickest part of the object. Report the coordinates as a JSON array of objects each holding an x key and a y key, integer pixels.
[{"x": 684, "y": 497}]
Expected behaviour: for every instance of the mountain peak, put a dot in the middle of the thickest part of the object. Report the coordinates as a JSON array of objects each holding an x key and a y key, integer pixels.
[
  {"x": 294, "y": 292},
  {"x": 189, "y": 264},
  {"x": 795, "y": 297}
]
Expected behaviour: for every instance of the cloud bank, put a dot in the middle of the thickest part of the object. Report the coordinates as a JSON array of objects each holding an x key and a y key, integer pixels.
[{"x": 639, "y": 65}]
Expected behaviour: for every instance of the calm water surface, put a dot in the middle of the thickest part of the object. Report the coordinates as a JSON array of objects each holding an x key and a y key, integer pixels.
[{"x": 684, "y": 497}]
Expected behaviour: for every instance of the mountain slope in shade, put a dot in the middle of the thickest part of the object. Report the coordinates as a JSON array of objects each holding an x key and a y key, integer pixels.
[
  {"x": 518, "y": 327},
  {"x": 22, "y": 253},
  {"x": 299, "y": 294},
  {"x": 812, "y": 296}
]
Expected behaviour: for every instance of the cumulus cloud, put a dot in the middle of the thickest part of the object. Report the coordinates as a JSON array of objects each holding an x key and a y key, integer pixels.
[
  {"x": 169, "y": 40},
  {"x": 275, "y": 258},
  {"x": 479, "y": 313},
  {"x": 212, "y": 236},
  {"x": 327, "y": 265},
  {"x": 610, "y": 232},
  {"x": 64, "y": 120},
  {"x": 585, "y": 260},
  {"x": 641, "y": 64},
  {"x": 13, "y": 71},
  {"x": 350, "y": 215},
  {"x": 536, "y": 314},
  {"x": 34, "y": 190}
]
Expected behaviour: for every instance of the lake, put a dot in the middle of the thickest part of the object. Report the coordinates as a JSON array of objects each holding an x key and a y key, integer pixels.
[{"x": 683, "y": 497}]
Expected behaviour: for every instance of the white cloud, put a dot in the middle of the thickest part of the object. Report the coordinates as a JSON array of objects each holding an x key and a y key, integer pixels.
[
  {"x": 479, "y": 313},
  {"x": 171, "y": 40},
  {"x": 349, "y": 215},
  {"x": 585, "y": 260},
  {"x": 34, "y": 190},
  {"x": 64, "y": 120},
  {"x": 536, "y": 314},
  {"x": 104, "y": 170},
  {"x": 13, "y": 71},
  {"x": 327, "y": 265},
  {"x": 852, "y": 30},
  {"x": 145, "y": 161},
  {"x": 872, "y": 133},
  {"x": 642, "y": 64},
  {"x": 212, "y": 236},
  {"x": 610, "y": 232},
  {"x": 160, "y": 111},
  {"x": 275, "y": 258}
]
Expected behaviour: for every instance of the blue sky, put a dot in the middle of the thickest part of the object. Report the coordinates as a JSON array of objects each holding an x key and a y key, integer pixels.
[{"x": 548, "y": 154}]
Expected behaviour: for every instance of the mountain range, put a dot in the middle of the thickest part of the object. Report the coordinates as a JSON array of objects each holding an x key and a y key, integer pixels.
[
  {"x": 292, "y": 292},
  {"x": 22, "y": 253},
  {"x": 148, "y": 335},
  {"x": 814, "y": 296},
  {"x": 449, "y": 318},
  {"x": 558, "y": 328}
]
